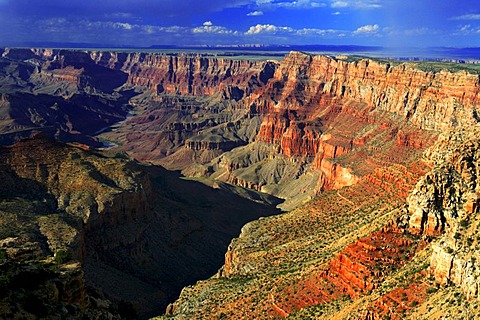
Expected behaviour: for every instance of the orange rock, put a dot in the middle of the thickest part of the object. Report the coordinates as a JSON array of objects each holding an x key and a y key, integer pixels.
[{"x": 355, "y": 271}]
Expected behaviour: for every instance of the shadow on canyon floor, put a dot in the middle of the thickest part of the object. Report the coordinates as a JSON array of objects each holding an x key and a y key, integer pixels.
[{"x": 148, "y": 259}]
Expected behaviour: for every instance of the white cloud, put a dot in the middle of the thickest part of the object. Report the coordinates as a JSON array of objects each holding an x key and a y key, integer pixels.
[
  {"x": 305, "y": 32},
  {"x": 358, "y": 4},
  {"x": 263, "y": 2},
  {"x": 309, "y": 4},
  {"x": 316, "y": 32},
  {"x": 367, "y": 29},
  {"x": 336, "y": 13},
  {"x": 467, "y": 17},
  {"x": 339, "y": 4},
  {"x": 173, "y": 29},
  {"x": 367, "y": 4},
  {"x": 267, "y": 28},
  {"x": 298, "y": 4},
  {"x": 120, "y": 25},
  {"x": 255, "y": 13},
  {"x": 208, "y": 27},
  {"x": 467, "y": 29},
  {"x": 149, "y": 29}
]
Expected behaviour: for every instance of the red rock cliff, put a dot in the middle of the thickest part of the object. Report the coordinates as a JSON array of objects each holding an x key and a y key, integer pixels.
[
  {"x": 189, "y": 74},
  {"x": 357, "y": 104},
  {"x": 311, "y": 85},
  {"x": 429, "y": 100}
]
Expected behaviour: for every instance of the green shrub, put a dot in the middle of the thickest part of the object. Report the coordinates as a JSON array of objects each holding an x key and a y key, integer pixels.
[
  {"x": 62, "y": 256},
  {"x": 469, "y": 241},
  {"x": 431, "y": 290},
  {"x": 3, "y": 254}
]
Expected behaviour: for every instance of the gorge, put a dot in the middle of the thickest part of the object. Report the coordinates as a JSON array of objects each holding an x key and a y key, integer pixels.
[{"x": 128, "y": 176}]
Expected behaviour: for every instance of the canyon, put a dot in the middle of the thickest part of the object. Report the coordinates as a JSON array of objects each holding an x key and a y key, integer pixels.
[{"x": 134, "y": 175}]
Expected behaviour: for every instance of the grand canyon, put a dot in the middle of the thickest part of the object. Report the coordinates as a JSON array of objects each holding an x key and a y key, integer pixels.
[{"x": 140, "y": 185}]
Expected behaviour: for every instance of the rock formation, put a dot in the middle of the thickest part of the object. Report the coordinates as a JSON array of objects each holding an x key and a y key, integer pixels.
[
  {"x": 370, "y": 129},
  {"x": 444, "y": 204},
  {"x": 112, "y": 215},
  {"x": 376, "y": 160}
]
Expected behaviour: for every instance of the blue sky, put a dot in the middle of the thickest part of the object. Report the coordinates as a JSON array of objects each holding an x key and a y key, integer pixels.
[{"x": 396, "y": 23}]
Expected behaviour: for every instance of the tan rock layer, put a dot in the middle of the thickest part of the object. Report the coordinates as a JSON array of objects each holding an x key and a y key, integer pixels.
[{"x": 444, "y": 205}]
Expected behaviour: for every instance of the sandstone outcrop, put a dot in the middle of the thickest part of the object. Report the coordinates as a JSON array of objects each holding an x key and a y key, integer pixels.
[
  {"x": 318, "y": 108},
  {"x": 444, "y": 204},
  {"x": 303, "y": 81},
  {"x": 355, "y": 271},
  {"x": 313, "y": 101}
]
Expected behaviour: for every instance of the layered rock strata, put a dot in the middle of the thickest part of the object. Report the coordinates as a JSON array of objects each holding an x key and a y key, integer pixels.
[
  {"x": 314, "y": 108},
  {"x": 112, "y": 215},
  {"x": 66, "y": 76},
  {"x": 444, "y": 204},
  {"x": 362, "y": 125},
  {"x": 186, "y": 74},
  {"x": 351, "y": 133}
]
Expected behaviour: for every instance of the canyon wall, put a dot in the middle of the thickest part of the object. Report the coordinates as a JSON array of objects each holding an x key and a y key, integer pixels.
[
  {"x": 306, "y": 87},
  {"x": 344, "y": 142},
  {"x": 328, "y": 112},
  {"x": 371, "y": 130},
  {"x": 189, "y": 74},
  {"x": 429, "y": 100},
  {"x": 182, "y": 73},
  {"x": 112, "y": 215},
  {"x": 444, "y": 205}
]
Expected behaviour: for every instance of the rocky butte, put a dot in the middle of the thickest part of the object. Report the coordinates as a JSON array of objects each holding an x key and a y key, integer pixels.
[{"x": 374, "y": 162}]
